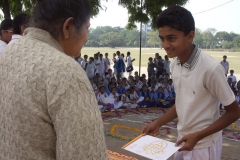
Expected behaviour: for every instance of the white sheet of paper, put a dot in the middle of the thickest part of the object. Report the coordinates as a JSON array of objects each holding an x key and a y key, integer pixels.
[{"x": 153, "y": 148}]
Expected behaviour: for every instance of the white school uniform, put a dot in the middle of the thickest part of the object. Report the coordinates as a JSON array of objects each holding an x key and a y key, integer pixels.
[
  {"x": 129, "y": 63},
  {"x": 83, "y": 64},
  {"x": 100, "y": 98},
  {"x": 117, "y": 104},
  {"x": 139, "y": 84},
  {"x": 167, "y": 66},
  {"x": 107, "y": 64},
  {"x": 127, "y": 102},
  {"x": 225, "y": 66},
  {"x": 14, "y": 38},
  {"x": 101, "y": 68},
  {"x": 234, "y": 79},
  {"x": 90, "y": 70},
  {"x": 198, "y": 95},
  {"x": 97, "y": 63},
  {"x": 134, "y": 95}
]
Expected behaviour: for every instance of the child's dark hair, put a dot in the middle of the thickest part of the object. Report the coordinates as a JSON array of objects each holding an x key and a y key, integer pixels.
[
  {"x": 150, "y": 58},
  {"x": 113, "y": 88},
  {"x": 178, "y": 18},
  {"x": 102, "y": 87},
  {"x": 91, "y": 58}
]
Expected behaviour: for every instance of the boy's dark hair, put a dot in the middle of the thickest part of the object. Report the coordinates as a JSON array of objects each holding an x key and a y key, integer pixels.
[
  {"x": 113, "y": 88},
  {"x": 5, "y": 25},
  {"x": 178, "y": 18},
  {"x": 231, "y": 70},
  {"x": 102, "y": 87},
  {"x": 150, "y": 58},
  {"x": 85, "y": 56},
  {"x": 19, "y": 20},
  {"x": 132, "y": 88},
  {"x": 124, "y": 78}
]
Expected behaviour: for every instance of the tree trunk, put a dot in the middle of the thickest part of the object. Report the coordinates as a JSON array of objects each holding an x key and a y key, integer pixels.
[{"x": 6, "y": 9}]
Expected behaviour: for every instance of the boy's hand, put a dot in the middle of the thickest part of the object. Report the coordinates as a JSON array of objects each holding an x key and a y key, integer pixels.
[
  {"x": 151, "y": 129},
  {"x": 190, "y": 141}
]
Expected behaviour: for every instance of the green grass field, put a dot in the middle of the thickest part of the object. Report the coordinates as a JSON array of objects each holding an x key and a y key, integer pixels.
[{"x": 233, "y": 57}]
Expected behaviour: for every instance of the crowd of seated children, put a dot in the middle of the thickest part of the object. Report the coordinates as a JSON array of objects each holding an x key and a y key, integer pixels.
[{"x": 115, "y": 91}]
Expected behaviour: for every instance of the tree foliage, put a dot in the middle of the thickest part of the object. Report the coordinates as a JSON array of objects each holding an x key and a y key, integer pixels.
[
  {"x": 211, "y": 39},
  {"x": 138, "y": 10},
  {"x": 113, "y": 37},
  {"x": 12, "y": 7},
  {"x": 153, "y": 39},
  {"x": 148, "y": 9}
]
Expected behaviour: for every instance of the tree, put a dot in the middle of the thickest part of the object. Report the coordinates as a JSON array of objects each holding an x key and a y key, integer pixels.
[
  {"x": 112, "y": 39},
  {"x": 226, "y": 45},
  {"x": 149, "y": 9},
  {"x": 236, "y": 41},
  {"x": 153, "y": 38},
  {"x": 13, "y": 7},
  {"x": 198, "y": 39}
]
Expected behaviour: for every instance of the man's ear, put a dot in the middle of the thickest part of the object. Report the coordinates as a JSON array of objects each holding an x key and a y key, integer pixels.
[
  {"x": 66, "y": 27},
  {"x": 191, "y": 36}
]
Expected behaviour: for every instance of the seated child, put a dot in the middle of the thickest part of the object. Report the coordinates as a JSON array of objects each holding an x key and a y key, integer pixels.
[
  {"x": 159, "y": 97},
  {"x": 171, "y": 99},
  {"x": 114, "y": 81},
  {"x": 138, "y": 82},
  {"x": 127, "y": 102},
  {"x": 152, "y": 89},
  {"x": 144, "y": 81},
  {"x": 110, "y": 86},
  {"x": 120, "y": 89},
  {"x": 101, "y": 95},
  {"x": 170, "y": 82},
  {"x": 134, "y": 96},
  {"x": 166, "y": 88},
  {"x": 125, "y": 83},
  {"x": 117, "y": 103},
  {"x": 147, "y": 102},
  {"x": 130, "y": 79}
]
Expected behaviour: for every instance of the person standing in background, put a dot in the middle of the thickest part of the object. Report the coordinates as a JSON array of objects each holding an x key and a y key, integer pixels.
[
  {"x": 101, "y": 68},
  {"x": 225, "y": 64},
  {"x": 107, "y": 63},
  {"x": 20, "y": 22},
  {"x": 129, "y": 62},
  {"x": 167, "y": 64},
  {"x": 6, "y": 31}
]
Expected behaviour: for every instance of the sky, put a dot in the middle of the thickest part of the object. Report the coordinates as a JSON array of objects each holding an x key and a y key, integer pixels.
[{"x": 223, "y": 18}]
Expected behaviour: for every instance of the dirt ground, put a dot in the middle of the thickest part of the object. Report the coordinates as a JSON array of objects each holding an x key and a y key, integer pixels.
[{"x": 130, "y": 120}]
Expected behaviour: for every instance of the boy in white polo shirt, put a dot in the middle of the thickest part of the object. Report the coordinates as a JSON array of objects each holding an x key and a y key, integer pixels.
[{"x": 200, "y": 84}]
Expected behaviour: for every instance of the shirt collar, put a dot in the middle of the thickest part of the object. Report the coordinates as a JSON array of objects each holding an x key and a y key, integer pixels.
[
  {"x": 192, "y": 60},
  {"x": 16, "y": 36}
]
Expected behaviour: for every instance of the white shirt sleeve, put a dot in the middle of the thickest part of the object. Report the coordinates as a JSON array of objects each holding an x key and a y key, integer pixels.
[{"x": 218, "y": 86}]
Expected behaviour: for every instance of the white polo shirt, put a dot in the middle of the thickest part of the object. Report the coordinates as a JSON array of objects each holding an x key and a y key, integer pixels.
[
  {"x": 14, "y": 38},
  {"x": 3, "y": 45},
  {"x": 200, "y": 84},
  {"x": 225, "y": 66}
]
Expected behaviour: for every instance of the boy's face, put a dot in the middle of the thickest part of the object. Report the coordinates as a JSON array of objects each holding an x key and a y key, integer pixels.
[
  {"x": 114, "y": 91},
  {"x": 102, "y": 90},
  {"x": 145, "y": 88},
  {"x": 160, "y": 90},
  {"x": 175, "y": 42}
]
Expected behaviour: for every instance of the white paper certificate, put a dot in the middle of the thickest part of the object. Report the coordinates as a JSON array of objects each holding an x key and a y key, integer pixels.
[{"x": 151, "y": 147}]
